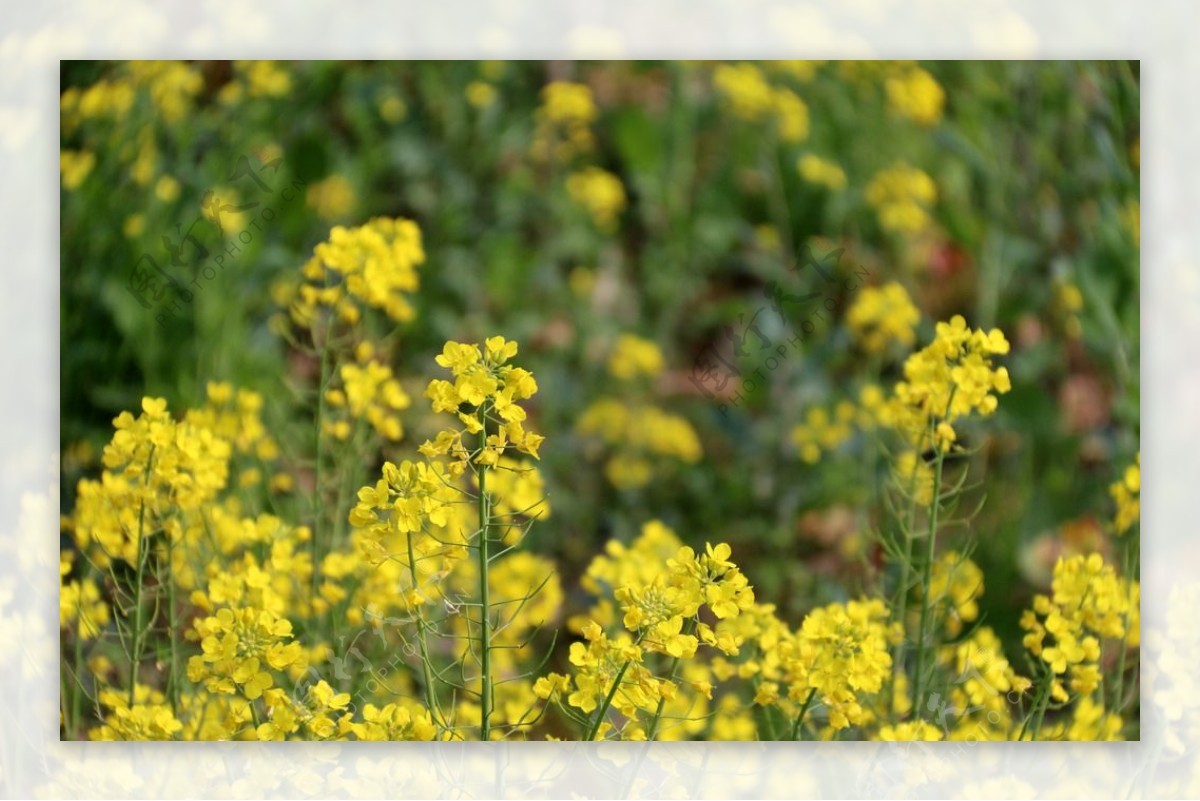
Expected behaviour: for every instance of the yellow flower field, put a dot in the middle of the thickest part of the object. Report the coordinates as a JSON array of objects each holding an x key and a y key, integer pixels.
[{"x": 600, "y": 401}]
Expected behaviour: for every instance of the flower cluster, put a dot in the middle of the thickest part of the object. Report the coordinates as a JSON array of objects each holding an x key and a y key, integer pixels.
[
  {"x": 982, "y": 686},
  {"x": 1088, "y": 603},
  {"x": 822, "y": 172},
  {"x": 240, "y": 648},
  {"x": 902, "y": 195},
  {"x": 880, "y": 316},
  {"x": 80, "y": 604},
  {"x": 148, "y": 718},
  {"x": 948, "y": 380},
  {"x": 824, "y": 430},
  {"x": 910, "y": 731},
  {"x": 637, "y": 435},
  {"x": 564, "y": 120},
  {"x": 369, "y": 391},
  {"x": 1068, "y": 303},
  {"x": 915, "y": 94},
  {"x": 255, "y": 79},
  {"x": 332, "y": 198},
  {"x": 373, "y": 264},
  {"x": 839, "y": 657},
  {"x": 913, "y": 478},
  {"x": 1126, "y": 494},
  {"x": 634, "y": 565},
  {"x": 632, "y": 356},
  {"x": 752, "y": 97},
  {"x": 660, "y": 615},
  {"x": 155, "y": 468},
  {"x": 486, "y": 388},
  {"x": 235, "y": 415},
  {"x": 598, "y": 192},
  {"x": 75, "y": 167}
]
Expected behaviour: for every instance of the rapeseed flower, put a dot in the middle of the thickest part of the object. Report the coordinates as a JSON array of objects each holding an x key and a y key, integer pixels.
[
  {"x": 902, "y": 196},
  {"x": 881, "y": 316},
  {"x": 600, "y": 193},
  {"x": 914, "y": 93},
  {"x": 950, "y": 379},
  {"x": 373, "y": 265},
  {"x": 822, "y": 172},
  {"x": 563, "y": 122},
  {"x": 1126, "y": 494}
]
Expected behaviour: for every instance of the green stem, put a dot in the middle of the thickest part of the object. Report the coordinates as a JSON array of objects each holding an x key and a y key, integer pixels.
[
  {"x": 797, "y": 731},
  {"x": 603, "y": 710},
  {"x": 1127, "y": 568},
  {"x": 77, "y": 688},
  {"x": 430, "y": 695},
  {"x": 485, "y": 623},
  {"x": 927, "y": 573},
  {"x": 1038, "y": 711},
  {"x": 135, "y": 653},
  {"x": 318, "y": 510},
  {"x": 650, "y": 732},
  {"x": 174, "y": 623},
  {"x": 902, "y": 602}
]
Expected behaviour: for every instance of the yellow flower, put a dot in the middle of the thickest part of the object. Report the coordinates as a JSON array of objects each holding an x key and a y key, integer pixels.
[
  {"x": 902, "y": 196},
  {"x": 753, "y": 98},
  {"x": 791, "y": 116},
  {"x": 1127, "y": 494},
  {"x": 480, "y": 94},
  {"x": 81, "y": 603},
  {"x": 841, "y": 653},
  {"x": 373, "y": 264},
  {"x": 172, "y": 85},
  {"x": 636, "y": 434},
  {"x": 75, "y": 166},
  {"x": 239, "y": 649},
  {"x": 957, "y": 583},
  {"x": 823, "y": 429},
  {"x": 332, "y": 198},
  {"x": 600, "y": 193},
  {"x": 911, "y": 731},
  {"x": 142, "y": 721},
  {"x": 167, "y": 189},
  {"x": 1068, "y": 302},
  {"x": 155, "y": 466},
  {"x": 369, "y": 391},
  {"x": 950, "y": 379},
  {"x": 391, "y": 108},
  {"x": 882, "y": 315},
  {"x": 1089, "y": 602},
  {"x": 913, "y": 477},
  {"x": 134, "y": 225},
  {"x": 484, "y": 380},
  {"x": 745, "y": 88},
  {"x": 563, "y": 122},
  {"x": 264, "y": 78},
  {"x": 821, "y": 172},
  {"x": 633, "y": 356},
  {"x": 915, "y": 94}
]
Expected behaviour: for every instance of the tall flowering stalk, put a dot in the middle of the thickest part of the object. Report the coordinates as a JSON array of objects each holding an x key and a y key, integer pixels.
[
  {"x": 951, "y": 379},
  {"x": 484, "y": 398},
  {"x": 371, "y": 266}
]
